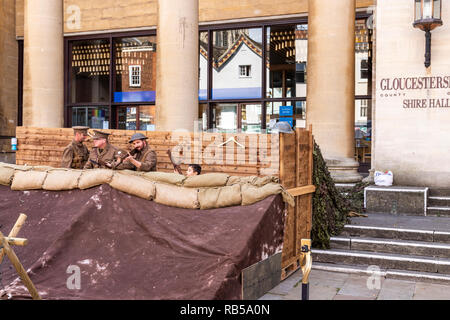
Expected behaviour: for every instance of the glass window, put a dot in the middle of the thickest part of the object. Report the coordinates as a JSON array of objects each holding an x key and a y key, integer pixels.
[
  {"x": 135, "y": 67},
  {"x": 225, "y": 117},
  {"x": 90, "y": 71},
  {"x": 231, "y": 49},
  {"x": 136, "y": 118},
  {"x": 251, "y": 118},
  {"x": 363, "y": 59},
  {"x": 93, "y": 117},
  {"x": 203, "y": 66},
  {"x": 286, "y": 58},
  {"x": 147, "y": 118},
  {"x": 127, "y": 118}
]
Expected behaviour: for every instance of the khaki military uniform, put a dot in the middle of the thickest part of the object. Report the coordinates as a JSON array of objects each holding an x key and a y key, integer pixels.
[
  {"x": 100, "y": 158},
  {"x": 75, "y": 155},
  {"x": 146, "y": 156}
]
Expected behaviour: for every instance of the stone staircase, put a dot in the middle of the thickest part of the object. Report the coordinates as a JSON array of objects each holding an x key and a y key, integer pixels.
[
  {"x": 400, "y": 246},
  {"x": 438, "y": 203}
]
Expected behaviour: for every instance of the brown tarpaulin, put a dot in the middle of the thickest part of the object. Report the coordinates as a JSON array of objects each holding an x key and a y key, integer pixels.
[{"x": 130, "y": 248}]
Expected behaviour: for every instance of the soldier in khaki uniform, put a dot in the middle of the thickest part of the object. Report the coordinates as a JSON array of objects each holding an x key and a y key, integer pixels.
[
  {"x": 143, "y": 158},
  {"x": 76, "y": 153},
  {"x": 103, "y": 154}
]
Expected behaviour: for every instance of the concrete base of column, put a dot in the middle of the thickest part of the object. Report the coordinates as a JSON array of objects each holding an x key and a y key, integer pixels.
[{"x": 344, "y": 170}]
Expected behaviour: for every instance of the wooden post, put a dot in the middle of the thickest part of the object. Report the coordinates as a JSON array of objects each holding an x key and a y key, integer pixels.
[
  {"x": 14, "y": 231},
  {"x": 17, "y": 241},
  {"x": 19, "y": 268}
]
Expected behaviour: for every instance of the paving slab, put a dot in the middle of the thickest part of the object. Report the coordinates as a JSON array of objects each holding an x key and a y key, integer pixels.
[
  {"x": 270, "y": 296},
  {"x": 329, "y": 279},
  {"x": 431, "y": 291},
  {"x": 347, "y": 297},
  {"x": 287, "y": 284},
  {"x": 359, "y": 286},
  {"x": 397, "y": 290}
]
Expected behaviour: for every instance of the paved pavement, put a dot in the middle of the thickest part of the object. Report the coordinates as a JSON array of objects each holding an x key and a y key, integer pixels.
[{"x": 325, "y": 285}]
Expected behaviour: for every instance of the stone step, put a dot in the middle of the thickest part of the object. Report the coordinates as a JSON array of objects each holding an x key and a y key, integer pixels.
[
  {"x": 438, "y": 211},
  {"x": 438, "y": 202},
  {"x": 418, "y": 248},
  {"x": 386, "y": 273},
  {"x": 383, "y": 260},
  {"x": 351, "y": 230},
  {"x": 443, "y": 192}
]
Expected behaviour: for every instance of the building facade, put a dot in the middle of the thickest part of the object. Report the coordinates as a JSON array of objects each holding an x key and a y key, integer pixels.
[{"x": 230, "y": 66}]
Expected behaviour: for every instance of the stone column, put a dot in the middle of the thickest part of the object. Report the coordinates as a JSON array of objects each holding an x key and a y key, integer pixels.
[
  {"x": 43, "y": 91},
  {"x": 177, "y": 65},
  {"x": 331, "y": 84}
]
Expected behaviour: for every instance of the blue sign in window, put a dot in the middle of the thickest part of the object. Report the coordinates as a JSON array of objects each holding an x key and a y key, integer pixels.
[{"x": 286, "y": 111}]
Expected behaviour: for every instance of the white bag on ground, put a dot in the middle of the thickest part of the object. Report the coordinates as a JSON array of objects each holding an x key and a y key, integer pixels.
[{"x": 384, "y": 179}]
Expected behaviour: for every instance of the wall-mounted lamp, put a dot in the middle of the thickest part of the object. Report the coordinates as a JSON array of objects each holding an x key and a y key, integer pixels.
[{"x": 427, "y": 17}]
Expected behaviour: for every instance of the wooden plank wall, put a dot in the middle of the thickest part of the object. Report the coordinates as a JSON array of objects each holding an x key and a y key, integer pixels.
[
  {"x": 296, "y": 165},
  {"x": 44, "y": 146}
]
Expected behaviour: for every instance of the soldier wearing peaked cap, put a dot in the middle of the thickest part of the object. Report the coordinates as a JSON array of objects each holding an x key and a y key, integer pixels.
[
  {"x": 76, "y": 153},
  {"x": 103, "y": 154},
  {"x": 142, "y": 157}
]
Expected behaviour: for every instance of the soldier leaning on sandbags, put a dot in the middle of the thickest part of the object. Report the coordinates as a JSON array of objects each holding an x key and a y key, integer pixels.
[
  {"x": 103, "y": 154},
  {"x": 142, "y": 157},
  {"x": 76, "y": 153}
]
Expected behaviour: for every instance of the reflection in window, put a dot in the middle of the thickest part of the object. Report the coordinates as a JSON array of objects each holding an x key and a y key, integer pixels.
[
  {"x": 203, "y": 66},
  {"x": 127, "y": 118},
  {"x": 147, "y": 118},
  {"x": 93, "y": 117},
  {"x": 363, "y": 58},
  {"x": 286, "y": 59},
  {"x": 90, "y": 71},
  {"x": 251, "y": 118},
  {"x": 131, "y": 118},
  {"x": 231, "y": 49},
  {"x": 135, "y": 69},
  {"x": 225, "y": 117}
]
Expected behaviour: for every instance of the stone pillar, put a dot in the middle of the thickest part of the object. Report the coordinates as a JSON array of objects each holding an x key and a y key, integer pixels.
[
  {"x": 8, "y": 73},
  {"x": 177, "y": 65},
  {"x": 331, "y": 84},
  {"x": 43, "y": 91}
]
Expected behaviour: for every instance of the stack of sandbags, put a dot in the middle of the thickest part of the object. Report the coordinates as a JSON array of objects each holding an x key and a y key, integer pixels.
[{"x": 206, "y": 191}]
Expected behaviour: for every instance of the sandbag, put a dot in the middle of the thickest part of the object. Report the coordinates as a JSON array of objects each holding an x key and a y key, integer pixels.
[
  {"x": 61, "y": 180},
  {"x": 44, "y": 168},
  {"x": 252, "y": 194},
  {"x": 133, "y": 185},
  {"x": 28, "y": 180},
  {"x": 176, "y": 196},
  {"x": 211, "y": 198},
  {"x": 6, "y": 175},
  {"x": 252, "y": 180},
  {"x": 165, "y": 177},
  {"x": 94, "y": 177},
  {"x": 208, "y": 180},
  {"x": 16, "y": 166},
  {"x": 130, "y": 172}
]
